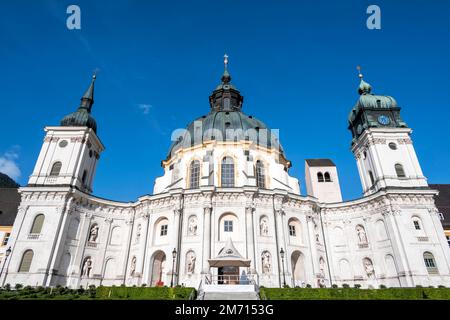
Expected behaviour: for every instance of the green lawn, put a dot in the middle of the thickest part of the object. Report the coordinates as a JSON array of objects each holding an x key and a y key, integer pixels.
[{"x": 355, "y": 294}]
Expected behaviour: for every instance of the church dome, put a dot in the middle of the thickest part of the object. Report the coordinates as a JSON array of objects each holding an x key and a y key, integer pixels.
[{"x": 225, "y": 122}]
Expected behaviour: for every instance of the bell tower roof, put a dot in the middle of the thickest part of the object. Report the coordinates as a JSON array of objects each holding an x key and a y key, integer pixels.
[
  {"x": 82, "y": 117},
  {"x": 373, "y": 110}
]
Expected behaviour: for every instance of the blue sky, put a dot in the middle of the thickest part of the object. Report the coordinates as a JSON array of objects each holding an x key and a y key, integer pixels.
[{"x": 294, "y": 62}]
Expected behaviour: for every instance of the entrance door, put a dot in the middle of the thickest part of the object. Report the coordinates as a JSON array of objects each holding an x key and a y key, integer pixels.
[{"x": 228, "y": 275}]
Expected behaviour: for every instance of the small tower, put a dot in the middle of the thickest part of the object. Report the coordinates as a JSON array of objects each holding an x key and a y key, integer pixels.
[
  {"x": 70, "y": 151},
  {"x": 381, "y": 143},
  {"x": 322, "y": 180}
]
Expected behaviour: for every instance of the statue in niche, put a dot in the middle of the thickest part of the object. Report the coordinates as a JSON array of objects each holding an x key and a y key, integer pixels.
[
  {"x": 266, "y": 266},
  {"x": 93, "y": 234},
  {"x": 361, "y": 234},
  {"x": 138, "y": 233},
  {"x": 133, "y": 266},
  {"x": 322, "y": 267},
  {"x": 316, "y": 231},
  {"x": 190, "y": 262},
  {"x": 87, "y": 267},
  {"x": 368, "y": 266},
  {"x": 264, "y": 227},
  {"x": 192, "y": 226}
]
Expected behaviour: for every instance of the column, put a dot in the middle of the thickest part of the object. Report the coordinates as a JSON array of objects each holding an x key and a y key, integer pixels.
[
  {"x": 206, "y": 238},
  {"x": 250, "y": 240},
  {"x": 176, "y": 242}
]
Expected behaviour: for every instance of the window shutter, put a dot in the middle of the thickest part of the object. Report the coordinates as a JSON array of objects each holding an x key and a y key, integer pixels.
[
  {"x": 37, "y": 224},
  {"x": 26, "y": 261}
]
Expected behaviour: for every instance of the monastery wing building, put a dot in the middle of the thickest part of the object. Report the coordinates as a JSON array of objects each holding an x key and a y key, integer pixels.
[{"x": 226, "y": 209}]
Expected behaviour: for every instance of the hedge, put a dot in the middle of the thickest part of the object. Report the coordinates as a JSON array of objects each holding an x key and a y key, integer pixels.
[
  {"x": 100, "y": 293},
  {"x": 354, "y": 294},
  {"x": 145, "y": 293}
]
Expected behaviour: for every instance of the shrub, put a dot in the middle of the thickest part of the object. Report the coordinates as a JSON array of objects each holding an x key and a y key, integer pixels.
[
  {"x": 7, "y": 287},
  {"x": 308, "y": 285},
  {"x": 334, "y": 286},
  {"x": 441, "y": 286},
  {"x": 357, "y": 286},
  {"x": 345, "y": 285},
  {"x": 382, "y": 286},
  {"x": 144, "y": 285},
  {"x": 18, "y": 286}
]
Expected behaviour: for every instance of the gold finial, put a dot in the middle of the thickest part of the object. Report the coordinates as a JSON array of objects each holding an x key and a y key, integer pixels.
[
  {"x": 359, "y": 72},
  {"x": 225, "y": 60}
]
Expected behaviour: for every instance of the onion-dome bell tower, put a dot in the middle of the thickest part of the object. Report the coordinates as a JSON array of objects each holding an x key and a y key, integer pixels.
[
  {"x": 70, "y": 151},
  {"x": 382, "y": 144}
]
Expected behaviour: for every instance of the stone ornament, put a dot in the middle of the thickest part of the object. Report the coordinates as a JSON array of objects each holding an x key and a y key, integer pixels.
[
  {"x": 264, "y": 227},
  {"x": 266, "y": 263},
  {"x": 192, "y": 226},
  {"x": 362, "y": 237},
  {"x": 368, "y": 267},
  {"x": 138, "y": 233},
  {"x": 133, "y": 266},
  {"x": 93, "y": 234},
  {"x": 87, "y": 267},
  {"x": 190, "y": 262}
]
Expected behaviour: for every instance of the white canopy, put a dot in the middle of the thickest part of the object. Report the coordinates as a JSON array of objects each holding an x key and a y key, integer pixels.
[{"x": 229, "y": 257}]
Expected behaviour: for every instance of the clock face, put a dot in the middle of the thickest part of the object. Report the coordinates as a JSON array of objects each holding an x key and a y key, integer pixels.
[{"x": 384, "y": 120}]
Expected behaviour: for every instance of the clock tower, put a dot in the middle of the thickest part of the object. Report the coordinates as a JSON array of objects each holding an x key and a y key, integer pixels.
[{"x": 382, "y": 144}]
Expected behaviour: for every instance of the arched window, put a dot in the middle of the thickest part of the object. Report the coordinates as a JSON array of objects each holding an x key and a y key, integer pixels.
[
  {"x": 399, "y": 171},
  {"x": 83, "y": 178},
  {"x": 25, "y": 264},
  {"x": 430, "y": 263},
  {"x": 56, "y": 168},
  {"x": 372, "y": 180},
  {"x": 194, "y": 174},
  {"x": 38, "y": 222},
  {"x": 320, "y": 177},
  {"x": 327, "y": 177},
  {"x": 416, "y": 223},
  {"x": 227, "y": 173},
  {"x": 260, "y": 175}
]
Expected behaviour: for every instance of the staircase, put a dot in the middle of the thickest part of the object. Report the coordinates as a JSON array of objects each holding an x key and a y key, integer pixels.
[{"x": 214, "y": 291}]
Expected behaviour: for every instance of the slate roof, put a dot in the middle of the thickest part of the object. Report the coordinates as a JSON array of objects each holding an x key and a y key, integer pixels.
[
  {"x": 320, "y": 163},
  {"x": 443, "y": 202},
  {"x": 9, "y": 200}
]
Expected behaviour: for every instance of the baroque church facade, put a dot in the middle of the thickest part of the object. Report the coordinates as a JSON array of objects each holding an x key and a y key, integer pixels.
[{"x": 226, "y": 183}]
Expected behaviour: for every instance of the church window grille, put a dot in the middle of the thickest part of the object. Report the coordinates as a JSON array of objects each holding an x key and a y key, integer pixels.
[
  {"x": 416, "y": 225},
  {"x": 320, "y": 177},
  {"x": 56, "y": 168},
  {"x": 430, "y": 263},
  {"x": 164, "y": 230},
  {"x": 25, "y": 264},
  {"x": 260, "y": 175},
  {"x": 194, "y": 179},
  {"x": 327, "y": 177},
  {"x": 228, "y": 226},
  {"x": 399, "y": 171},
  {"x": 292, "y": 231},
  {"x": 227, "y": 174}
]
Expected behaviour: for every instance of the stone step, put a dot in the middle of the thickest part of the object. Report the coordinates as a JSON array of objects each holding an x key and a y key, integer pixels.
[{"x": 231, "y": 296}]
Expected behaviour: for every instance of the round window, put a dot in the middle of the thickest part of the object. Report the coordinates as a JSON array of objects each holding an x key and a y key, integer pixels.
[
  {"x": 63, "y": 143},
  {"x": 392, "y": 145}
]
